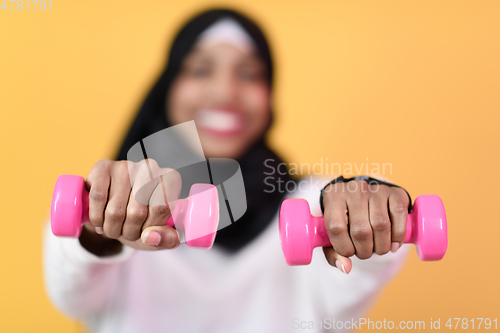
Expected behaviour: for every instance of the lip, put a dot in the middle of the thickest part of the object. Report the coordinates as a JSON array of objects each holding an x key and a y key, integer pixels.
[{"x": 208, "y": 127}]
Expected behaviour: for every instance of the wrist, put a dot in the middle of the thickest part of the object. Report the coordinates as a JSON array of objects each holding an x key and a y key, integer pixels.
[
  {"x": 99, "y": 245},
  {"x": 369, "y": 180}
]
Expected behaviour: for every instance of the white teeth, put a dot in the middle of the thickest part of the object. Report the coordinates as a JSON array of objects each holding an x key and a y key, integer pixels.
[{"x": 218, "y": 120}]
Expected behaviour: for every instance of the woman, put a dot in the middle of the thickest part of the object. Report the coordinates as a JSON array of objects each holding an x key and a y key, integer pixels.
[{"x": 220, "y": 74}]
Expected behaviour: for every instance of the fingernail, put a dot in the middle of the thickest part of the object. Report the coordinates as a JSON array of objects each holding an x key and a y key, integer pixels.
[
  {"x": 151, "y": 238},
  {"x": 99, "y": 230},
  {"x": 340, "y": 266},
  {"x": 394, "y": 246}
]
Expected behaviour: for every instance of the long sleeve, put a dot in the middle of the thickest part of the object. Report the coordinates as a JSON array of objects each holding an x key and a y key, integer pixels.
[
  {"x": 78, "y": 282},
  {"x": 346, "y": 298}
]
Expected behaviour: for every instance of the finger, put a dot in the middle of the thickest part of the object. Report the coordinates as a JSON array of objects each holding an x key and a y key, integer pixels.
[
  {"x": 97, "y": 183},
  {"x": 160, "y": 237},
  {"x": 159, "y": 208},
  {"x": 135, "y": 217},
  {"x": 116, "y": 209},
  {"x": 137, "y": 207},
  {"x": 359, "y": 225},
  {"x": 380, "y": 222},
  {"x": 164, "y": 198},
  {"x": 336, "y": 223},
  {"x": 398, "y": 211},
  {"x": 143, "y": 180},
  {"x": 336, "y": 260}
]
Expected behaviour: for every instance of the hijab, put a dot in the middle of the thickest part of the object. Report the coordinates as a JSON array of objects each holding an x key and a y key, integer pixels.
[{"x": 262, "y": 203}]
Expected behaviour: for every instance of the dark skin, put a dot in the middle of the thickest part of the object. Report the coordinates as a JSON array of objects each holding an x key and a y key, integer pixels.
[
  {"x": 117, "y": 218},
  {"x": 99, "y": 245},
  {"x": 362, "y": 219}
]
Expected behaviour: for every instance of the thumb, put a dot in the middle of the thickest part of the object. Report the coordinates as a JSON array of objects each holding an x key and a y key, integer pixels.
[
  {"x": 160, "y": 237},
  {"x": 344, "y": 264}
]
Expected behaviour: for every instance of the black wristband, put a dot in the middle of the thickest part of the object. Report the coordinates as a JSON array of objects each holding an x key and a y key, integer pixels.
[{"x": 369, "y": 180}]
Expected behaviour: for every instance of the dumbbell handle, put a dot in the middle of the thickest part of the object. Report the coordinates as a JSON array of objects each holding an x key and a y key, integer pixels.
[
  {"x": 179, "y": 211},
  {"x": 320, "y": 237}
]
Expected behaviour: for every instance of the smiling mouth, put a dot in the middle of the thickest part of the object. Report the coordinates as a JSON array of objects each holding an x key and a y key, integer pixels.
[{"x": 219, "y": 122}]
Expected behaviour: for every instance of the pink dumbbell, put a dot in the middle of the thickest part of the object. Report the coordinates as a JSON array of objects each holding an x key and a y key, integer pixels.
[
  {"x": 300, "y": 232},
  {"x": 197, "y": 215}
]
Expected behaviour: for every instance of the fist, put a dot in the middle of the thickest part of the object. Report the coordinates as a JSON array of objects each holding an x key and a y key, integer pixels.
[
  {"x": 131, "y": 202},
  {"x": 361, "y": 219}
]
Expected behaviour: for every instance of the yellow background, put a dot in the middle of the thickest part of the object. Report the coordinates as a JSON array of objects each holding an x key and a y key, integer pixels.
[{"x": 411, "y": 83}]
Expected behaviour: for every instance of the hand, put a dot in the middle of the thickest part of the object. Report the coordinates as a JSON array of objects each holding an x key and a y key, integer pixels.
[
  {"x": 361, "y": 219},
  {"x": 125, "y": 205}
]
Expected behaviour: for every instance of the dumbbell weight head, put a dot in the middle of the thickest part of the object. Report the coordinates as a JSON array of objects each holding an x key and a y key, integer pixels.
[
  {"x": 427, "y": 228},
  {"x": 198, "y": 215},
  {"x": 70, "y": 206},
  {"x": 296, "y": 231}
]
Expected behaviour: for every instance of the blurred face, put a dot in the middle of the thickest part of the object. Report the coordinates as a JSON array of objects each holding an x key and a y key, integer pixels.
[{"x": 224, "y": 90}]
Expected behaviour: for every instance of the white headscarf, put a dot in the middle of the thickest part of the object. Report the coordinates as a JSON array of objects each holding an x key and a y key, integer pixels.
[{"x": 227, "y": 31}]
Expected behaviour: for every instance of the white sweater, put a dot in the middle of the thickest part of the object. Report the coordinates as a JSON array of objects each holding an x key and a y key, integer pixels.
[{"x": 193, "y": 290}]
